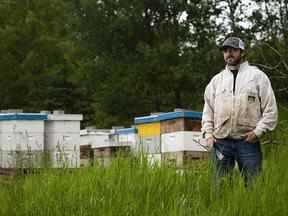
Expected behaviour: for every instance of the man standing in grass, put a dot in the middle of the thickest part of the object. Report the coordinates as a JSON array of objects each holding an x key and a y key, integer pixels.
[{"x": 239, "y": 108}]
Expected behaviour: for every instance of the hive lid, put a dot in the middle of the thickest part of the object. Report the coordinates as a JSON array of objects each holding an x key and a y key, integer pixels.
[
  {"x": 22, "y": 116},
  {"x": 85, "y": 132},
  {"x": 126, "y": 131},
  {"x": 168, "y": 116},
  {"x": 65, "y": 117}
]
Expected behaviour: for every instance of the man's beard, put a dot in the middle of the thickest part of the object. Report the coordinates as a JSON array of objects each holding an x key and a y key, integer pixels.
[{"x": 233, "y": 62}]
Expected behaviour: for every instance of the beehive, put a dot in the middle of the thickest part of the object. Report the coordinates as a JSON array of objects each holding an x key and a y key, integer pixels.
[
  {"x": 181, "y": 141},
  {"x": 151, "y": 128},
  {"x": 127, "y": 137},
  {"x": 180, "y": 124},
  {"x": 96, "y": 138},
  {"x": 62, "y": 139},
  {"x": 21, "y": 140}
]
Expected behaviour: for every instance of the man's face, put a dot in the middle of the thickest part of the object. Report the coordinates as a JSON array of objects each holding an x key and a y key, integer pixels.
[{"x": 232, "y": 56}]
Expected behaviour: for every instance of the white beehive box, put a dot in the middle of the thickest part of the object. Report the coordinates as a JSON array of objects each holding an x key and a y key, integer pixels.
[
  {"x": 127, "y": 137},
  {"x": 149, "y": 145},
  {"x": 181, "y": 141},
  {"x": 85, "y": 139},
  {"x": 21, "y": 139},
  {"x": 62, "y": 139},
  {"x": 101, "y": 138},
  {"x": 97, "y": 138}
]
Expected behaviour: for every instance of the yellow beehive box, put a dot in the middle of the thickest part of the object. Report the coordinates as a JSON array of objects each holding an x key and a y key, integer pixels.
[
  {"x": 150, "y": 126},
  {"x": 149, "y": 130}
]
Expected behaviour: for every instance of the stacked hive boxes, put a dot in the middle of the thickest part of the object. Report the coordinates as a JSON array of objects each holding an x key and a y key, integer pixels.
[
  {"x": 181, "y": 131},
  {"x": 93, "y": 142},
  {"x": 176, "y": 135},
  {"x": 21, "y": 140},
  {"x": 87, "y": 140},
  {"x": 181, "y": 137},
  {"x": 149, "y": 136},
  {"x": 119, "y": 140},
  {"x": 127, "y": 137},
  {"x": 106, "y": 144},
  {"x": 62, "y": 139}
]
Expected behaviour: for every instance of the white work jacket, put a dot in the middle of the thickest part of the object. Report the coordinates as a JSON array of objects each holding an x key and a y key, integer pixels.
[{"x": 252, "y": 107}]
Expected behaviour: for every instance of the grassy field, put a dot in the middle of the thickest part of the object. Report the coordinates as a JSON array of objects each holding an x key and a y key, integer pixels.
[{"x": 129, "y": 187}]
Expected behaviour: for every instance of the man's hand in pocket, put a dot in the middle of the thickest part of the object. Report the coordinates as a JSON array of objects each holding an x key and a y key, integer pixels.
[
  {"x": 250, "y": 137},
  {"x": 210, "y": 142}
]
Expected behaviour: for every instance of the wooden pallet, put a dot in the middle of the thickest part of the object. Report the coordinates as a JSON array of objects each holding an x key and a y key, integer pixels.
[
  {"x": 8, "y": 172},
  {"x": 112, "y": 151},
  {"x": 184, "y": 158},
  {"x": 85, "y": 151},
  {"x": 105, "y": 155},
  {"x": 12, "y": 172}
]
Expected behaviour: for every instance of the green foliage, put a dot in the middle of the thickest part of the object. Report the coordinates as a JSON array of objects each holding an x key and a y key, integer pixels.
[
  {"x": 35, "y": 56},
  {"x": 141, "y": 55}
]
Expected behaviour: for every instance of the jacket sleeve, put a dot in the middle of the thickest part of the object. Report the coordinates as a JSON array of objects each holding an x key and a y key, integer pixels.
[
  {"x": 269, "y": 110},
  {"x": 208, "y": 111}
]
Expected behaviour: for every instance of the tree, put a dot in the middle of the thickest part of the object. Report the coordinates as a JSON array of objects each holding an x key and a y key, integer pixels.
[
  {"x": 36, "y": 56},
  {"x": 142, "y": 55}
]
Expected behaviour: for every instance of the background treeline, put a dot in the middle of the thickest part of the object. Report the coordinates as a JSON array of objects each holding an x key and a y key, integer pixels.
[{"x": 115, "y": 59}]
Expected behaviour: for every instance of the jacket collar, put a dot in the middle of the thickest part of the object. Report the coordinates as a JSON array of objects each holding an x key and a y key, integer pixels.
[{"x": 242, "y": 67}]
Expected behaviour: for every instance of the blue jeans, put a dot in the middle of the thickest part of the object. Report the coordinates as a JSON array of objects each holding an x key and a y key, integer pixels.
[{"x": 247, "y": 155}]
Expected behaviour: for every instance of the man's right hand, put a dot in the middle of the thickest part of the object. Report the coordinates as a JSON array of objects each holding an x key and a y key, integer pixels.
[{"x": 210, "y": 143}]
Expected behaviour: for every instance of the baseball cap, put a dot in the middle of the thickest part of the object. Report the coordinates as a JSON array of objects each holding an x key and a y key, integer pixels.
[{"x": 234, "y": 42}]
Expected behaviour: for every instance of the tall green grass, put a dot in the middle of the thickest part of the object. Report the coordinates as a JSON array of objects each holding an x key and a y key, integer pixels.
[
  {"x": 133, "y": 187},
  {"x": 129, "y": 187}
]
